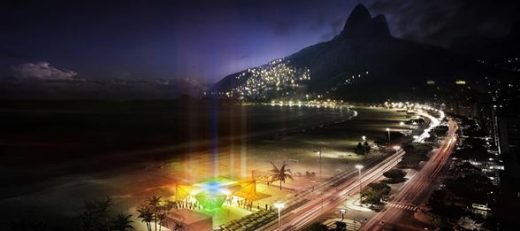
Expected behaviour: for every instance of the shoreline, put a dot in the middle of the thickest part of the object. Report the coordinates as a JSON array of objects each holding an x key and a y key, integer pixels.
[{"x": 132, "y": 183}]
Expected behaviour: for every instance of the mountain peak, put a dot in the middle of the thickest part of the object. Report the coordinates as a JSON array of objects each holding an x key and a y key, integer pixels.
[
  {"x": 360, "y": 11},
  {"x": 359, "y": 18},
  {"x": 360, "y": 24},
  {"x": 380, "y": 26}
]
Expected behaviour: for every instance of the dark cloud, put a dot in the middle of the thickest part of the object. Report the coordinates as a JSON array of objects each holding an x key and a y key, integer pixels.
[
  {"x": 440, "y": 21},
  {"x": 335, "y": 28},
  {"x": 207, "y": 39}
]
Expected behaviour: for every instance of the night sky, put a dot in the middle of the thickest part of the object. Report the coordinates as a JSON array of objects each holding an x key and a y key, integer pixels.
[{"x": 207, "y": 40}]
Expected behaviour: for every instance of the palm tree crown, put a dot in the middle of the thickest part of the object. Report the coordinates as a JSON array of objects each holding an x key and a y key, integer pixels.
[
  {"x": 280, "y": 174},
  {"x": 146, "y": 215},
  {"x": 122, "y": 222}
]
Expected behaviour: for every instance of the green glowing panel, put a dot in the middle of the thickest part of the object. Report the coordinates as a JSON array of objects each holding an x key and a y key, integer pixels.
[
  {"x": 211, "y": 200},
  {"x": 212, "y": 193}
]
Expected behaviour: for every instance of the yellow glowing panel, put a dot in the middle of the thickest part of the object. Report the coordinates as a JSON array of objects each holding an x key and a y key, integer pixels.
[
  {"x": 247, "y": 190},
  {"x": 182, "y": 191}
]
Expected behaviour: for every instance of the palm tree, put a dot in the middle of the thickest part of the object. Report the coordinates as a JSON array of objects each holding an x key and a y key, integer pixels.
[
  {"x": 155, "y": 203},
  {"x": 122, "y": 222},
  {"x": 96, "y": 215},
  {"x": 160, "y": 217},
  {"x": 146, "y": 215},
  {"x": 104, "y": 207},
  {"x": 164, "y": 210},
  {"x": 280, "y": 174},
  {"x": 168, "y": 205}
]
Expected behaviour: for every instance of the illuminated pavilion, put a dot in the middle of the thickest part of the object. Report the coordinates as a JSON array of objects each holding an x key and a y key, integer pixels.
[{"x": 214, "y": 192}]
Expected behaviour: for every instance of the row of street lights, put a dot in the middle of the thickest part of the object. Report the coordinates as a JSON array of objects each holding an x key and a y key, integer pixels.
[
  {"x": 359, "y": 167},
  {"x": 280, "y": 205}
]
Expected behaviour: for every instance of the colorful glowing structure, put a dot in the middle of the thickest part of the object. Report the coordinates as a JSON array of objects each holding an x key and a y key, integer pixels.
[{"x": 213, "y": 193}]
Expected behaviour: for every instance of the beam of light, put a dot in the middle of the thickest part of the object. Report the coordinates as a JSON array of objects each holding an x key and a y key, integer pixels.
[
  {"x": 243, "y": 142},
  {"x": 214, "y": 135}
]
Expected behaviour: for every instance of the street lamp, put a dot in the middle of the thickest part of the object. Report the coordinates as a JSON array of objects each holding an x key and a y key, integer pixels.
[
  {"x": 364, "y": 142},
  {"x": 279, "y": 206},
  {"x": 319, "y": 153},
  {"x": 401, "y": 123},
  {"x": 388, "y": 130},
  {"x": 359, "y": 167},
  {"x": 342, "y": 211}
]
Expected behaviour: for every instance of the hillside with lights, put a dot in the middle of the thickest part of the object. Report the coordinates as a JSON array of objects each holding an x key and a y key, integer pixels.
[{"x": 364, "y": 58}]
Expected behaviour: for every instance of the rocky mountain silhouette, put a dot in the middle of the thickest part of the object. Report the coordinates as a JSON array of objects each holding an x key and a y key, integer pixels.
[{"x": 365, "y": 62}]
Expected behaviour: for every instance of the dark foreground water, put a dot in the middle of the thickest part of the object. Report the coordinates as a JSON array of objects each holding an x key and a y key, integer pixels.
[
  {"x": 55, "y": 154},
  {"x": 44, "y": 139}
]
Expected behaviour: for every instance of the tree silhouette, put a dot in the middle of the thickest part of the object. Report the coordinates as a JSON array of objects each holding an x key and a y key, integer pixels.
[
  {"x": 96, "y": 215},
  {"x": 146, "y": 215},
  {"x": 280, "y": 174},
  {"x": 122, "y": 222},
  {"x": 155, "y": 204}
]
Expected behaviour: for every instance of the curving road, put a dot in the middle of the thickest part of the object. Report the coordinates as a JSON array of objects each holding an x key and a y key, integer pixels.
[
  {"x": 333, "y": 193},
  {"x": 398, "y": 214},
  {"x": 332, "y": 196}
]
